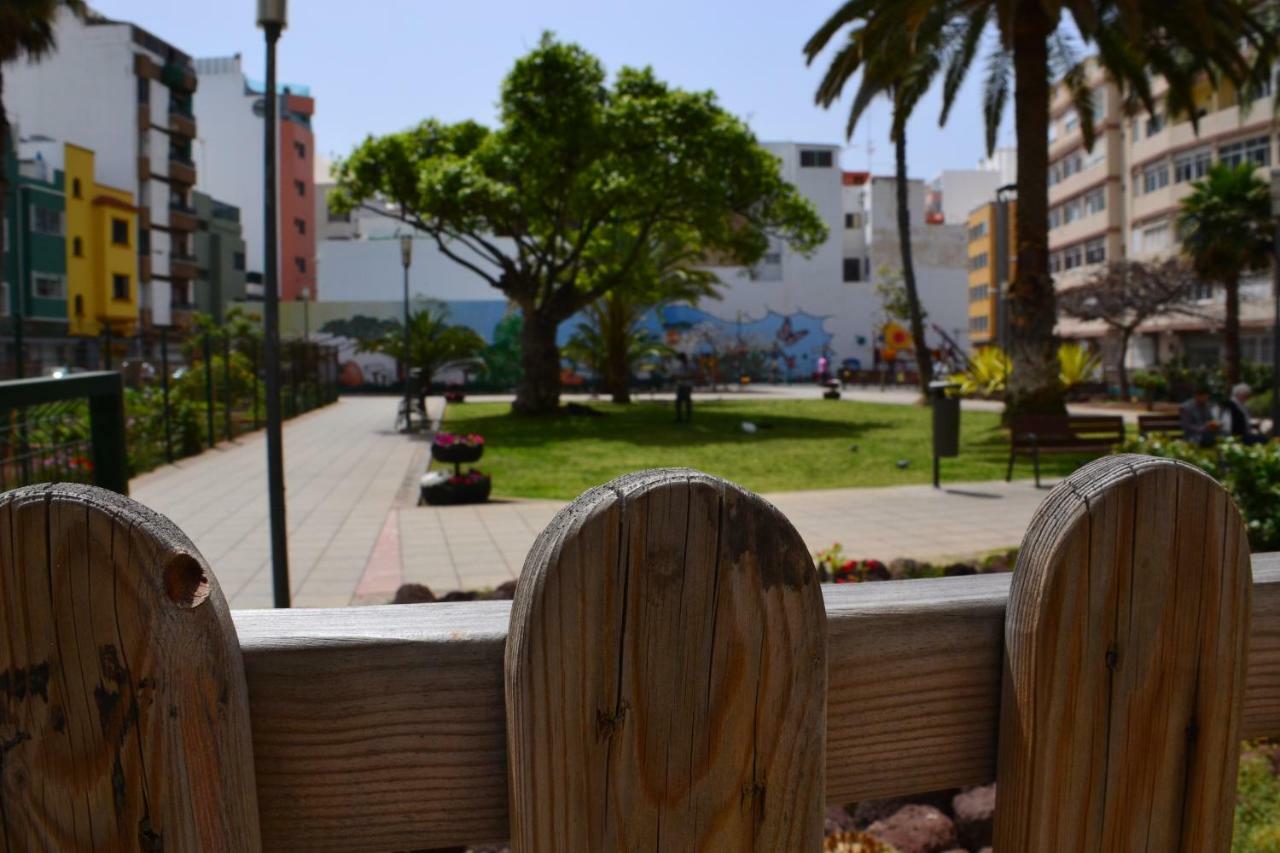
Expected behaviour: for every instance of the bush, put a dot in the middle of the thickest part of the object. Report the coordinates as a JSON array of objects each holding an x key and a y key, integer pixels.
[
  {"x": 1257, "y": 820},
  {"x": 1250, "y": 473}
]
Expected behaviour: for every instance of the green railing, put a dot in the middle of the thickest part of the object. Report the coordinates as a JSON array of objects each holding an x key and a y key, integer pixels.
[{"x": 69, "y": 429}]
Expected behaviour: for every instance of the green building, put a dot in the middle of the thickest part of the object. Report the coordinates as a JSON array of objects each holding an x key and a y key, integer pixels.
[
  {"x": 220, "y": 256},
  {"x": 35, "y": 267}
]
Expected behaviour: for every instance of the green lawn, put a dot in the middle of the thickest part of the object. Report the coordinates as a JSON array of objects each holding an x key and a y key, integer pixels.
[{"x": 800, "y": 444}]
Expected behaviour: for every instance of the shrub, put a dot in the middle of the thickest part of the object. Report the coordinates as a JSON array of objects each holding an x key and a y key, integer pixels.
[
  {"x": 1257, "y": 820},
  {"x": 1250, "y": 473}
]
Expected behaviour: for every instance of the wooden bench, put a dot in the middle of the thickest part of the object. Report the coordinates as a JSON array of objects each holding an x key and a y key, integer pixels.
[
  {"x": 1032, "y": 435},
  {"x": 1164, "y": 426}
]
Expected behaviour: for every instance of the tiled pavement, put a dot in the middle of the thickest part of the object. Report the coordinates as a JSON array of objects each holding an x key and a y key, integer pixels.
[{"x": 355, "y": 533}]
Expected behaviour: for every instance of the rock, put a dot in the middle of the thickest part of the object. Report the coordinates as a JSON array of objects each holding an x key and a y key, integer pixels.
[
  {"x": 504, "y": 591},
  {"x": 916, "y": 829},
  {"x": 959, "y": 569},
  {"x": 975, "y": 811},
  {"x": 413, "y": 593},
  {"x": 837, "y": 820},
  {"x": 867, "y": 812},
  {"x": 459, "y": 595}
]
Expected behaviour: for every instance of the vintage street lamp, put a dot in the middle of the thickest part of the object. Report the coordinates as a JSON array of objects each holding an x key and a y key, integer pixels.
[
  {"x": 272, "y": 19},
  {"x": 406, "y": 258},
  {"x": 1275, "y": 297}
]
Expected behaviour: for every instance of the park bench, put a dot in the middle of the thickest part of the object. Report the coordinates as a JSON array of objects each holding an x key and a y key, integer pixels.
[
  {"x": 1034, "y": 435},
  {"x": 1162, "y": 426},
  {"x": 670, "y": 676}
]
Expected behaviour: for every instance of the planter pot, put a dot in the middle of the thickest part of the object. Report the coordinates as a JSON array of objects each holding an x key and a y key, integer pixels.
[
  {"x": 454, "y": 396},
  {"x": 447, "y": 494},
  {"x": 831, "y": 395},
  {"x": 457, "y": 453}
]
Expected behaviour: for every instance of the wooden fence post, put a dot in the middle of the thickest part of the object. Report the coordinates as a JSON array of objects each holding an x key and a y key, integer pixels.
[
  {"x": 666, "y": 675},
  {"x": 124, "y": 717},
  {"x": 1126, "y": 640}
]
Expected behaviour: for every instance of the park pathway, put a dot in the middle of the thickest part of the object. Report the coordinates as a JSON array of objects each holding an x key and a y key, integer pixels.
[{"x": 355, "y": 533}]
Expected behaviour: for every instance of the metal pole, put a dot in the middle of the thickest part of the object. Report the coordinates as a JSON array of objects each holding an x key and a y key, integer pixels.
[
  {"x": 408, "y": 406},
  {"x": 271, "y": 339},
  {"x": 20, "y": 286},
  {"x": 1275, "y": 336},
  {"x": 257, "y": 365},
  {"x": 164, "y": 387},
  {"x": 106, "y": 332},
  {"x": 226, "y": 384}
]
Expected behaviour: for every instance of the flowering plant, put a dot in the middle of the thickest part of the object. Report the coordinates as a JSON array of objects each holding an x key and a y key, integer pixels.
[
  {"x": 834, "y": 567},
  {"x": 448, "y": 439},
  {"x": 471, "y": 478}
]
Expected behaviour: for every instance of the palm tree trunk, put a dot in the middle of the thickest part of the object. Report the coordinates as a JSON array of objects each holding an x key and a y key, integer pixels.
[
  {"x": 1231, "y": 330},
  {"x": 924, "y": 363},
  {"x": 1034, "y": 387}
]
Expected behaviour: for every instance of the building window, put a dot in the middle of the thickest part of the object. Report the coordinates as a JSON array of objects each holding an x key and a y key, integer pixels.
[
  {"x": 1095, "y": 201},
  {"x": 119, "y": 232},
  {"x": 75, "y": 188},
  {"x": 301, "y": 264},
  {"x": 1071, "y": 210},
  {"x": 853, "y": 269},
  {"x": 79, "y": 305},
  {"x": 339, "y": 217},
  {"x": 1191, "y": 165},
  {"x": 1256, "y": 151},
  {"x": 120, "y": 287},
  {"x": 48, "y": 286},
  {"x": 977, "y": 232},
  {"x": 300, "y": 224},
  {"x": 1155, "y": 124},
  {"x": 979, "y": 292},
  {"x": 144, "y": 242},
  {"x": 1155, "y": 176},
  {"x": 1202, "y": 291},
  {"x": 237, "y": 261},
  {"x": 45, "y": 220},
  {"x": 772, "y": 258},
  {"x": 1055, "y": 216},
  {"x": 77, "y": 247},
  {"x": 812, "y": 158},
  {"x": 848, "y": 220},
  {"x": 978, "y": 261},
  {"x": 1095, "y": 250},
  {"x": 1072, "y": 257},
  {"x": 300, "y": 149},
  {"x": 144, "y": 90},
  {"x": 979, "y": 324},
  {"x": 300, "y": 187}
]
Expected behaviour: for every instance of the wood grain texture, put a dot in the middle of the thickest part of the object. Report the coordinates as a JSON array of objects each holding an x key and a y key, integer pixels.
[
  {"x": 1126, "y": 647},
  {"x": 396, "y": 713},
  {"x": 124, "y": 721},
  {"x": 666, "y": 675}
]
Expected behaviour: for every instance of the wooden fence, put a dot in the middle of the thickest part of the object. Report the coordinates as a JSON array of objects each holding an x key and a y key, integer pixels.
[{"x": 670, "y": 676}]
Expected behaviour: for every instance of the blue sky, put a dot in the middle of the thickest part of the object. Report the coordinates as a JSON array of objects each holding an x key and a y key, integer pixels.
[{"x": 380, "y": 65}]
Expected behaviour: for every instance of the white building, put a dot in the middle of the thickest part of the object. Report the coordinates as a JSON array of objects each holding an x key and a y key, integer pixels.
[
  {"x": 115, "y": 88},
  {"x": 786, "y": 312}
]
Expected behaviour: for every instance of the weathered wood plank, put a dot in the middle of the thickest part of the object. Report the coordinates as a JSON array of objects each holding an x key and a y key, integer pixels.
[
  {"x": 396, "y": 712},
  {"x": 666, "y": 675},
  {"x": 1126, "y": 642},
  {"x": 124, "y": 715}
]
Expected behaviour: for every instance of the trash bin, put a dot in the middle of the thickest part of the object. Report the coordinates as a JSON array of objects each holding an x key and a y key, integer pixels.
[{"x": 946, "y": 423}]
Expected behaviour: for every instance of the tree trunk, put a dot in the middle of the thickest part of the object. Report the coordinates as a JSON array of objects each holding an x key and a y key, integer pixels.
[
  {"x": 538, "y": 392},
  {"x": 1034, "y": 386},
  {"x": 1123, "y": 372},
  {"x": 615, "y": 327},
  {"x": 1231, "y": 330},
  {"x": 924, "y": 363}
]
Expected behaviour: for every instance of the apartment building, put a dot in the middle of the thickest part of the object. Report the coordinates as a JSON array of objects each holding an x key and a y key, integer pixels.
[
  {"x": 102, "y": 252},
  {"x": 992, "y": 258},
  {"x": 1121, "y": 198},
  {"x": 125, "y": 94},
  {"x": 232, "y": 109},
  {"x": 220, "y": 257}
]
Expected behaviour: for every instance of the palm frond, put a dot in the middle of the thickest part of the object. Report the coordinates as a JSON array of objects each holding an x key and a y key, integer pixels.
[{"x": 995, "y": 93}]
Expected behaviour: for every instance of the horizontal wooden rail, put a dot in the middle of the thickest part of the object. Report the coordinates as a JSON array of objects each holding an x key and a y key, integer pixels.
[{"x": 382, "y": 728}]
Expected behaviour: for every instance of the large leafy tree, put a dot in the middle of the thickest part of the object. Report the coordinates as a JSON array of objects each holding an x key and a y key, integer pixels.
[
  {"x": 1183, "y": 42},
  {"x": 1124, "y": 295},
  {"x": 1226, "y": 229},
  {"x": 26, "y": 32},
  {"x": 560, "y": 203},
  {"x": 434, "y": 343}
]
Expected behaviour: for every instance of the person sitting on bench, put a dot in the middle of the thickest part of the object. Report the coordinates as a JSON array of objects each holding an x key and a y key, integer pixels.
[
  {"x": 1200, "y": 425},
  {"x": 1238, "y": 413}
]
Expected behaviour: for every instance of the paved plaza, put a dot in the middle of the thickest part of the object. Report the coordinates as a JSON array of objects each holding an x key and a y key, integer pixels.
[{"x": 355, "y": 533}]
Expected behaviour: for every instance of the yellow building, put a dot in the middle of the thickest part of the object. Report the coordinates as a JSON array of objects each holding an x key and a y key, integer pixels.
[
  {"x": 102, "y": 251},
  {"x": 991, "y": 228}
]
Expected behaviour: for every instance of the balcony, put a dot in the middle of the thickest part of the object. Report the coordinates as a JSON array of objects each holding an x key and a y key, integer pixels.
[
  {"x": 182, "y": 217},
  {"x": 182, "y": 123},
  {"x": 144, "y": 118},
  {"x": 183, "y": 266},
  {"x": 181, "y": 169}
]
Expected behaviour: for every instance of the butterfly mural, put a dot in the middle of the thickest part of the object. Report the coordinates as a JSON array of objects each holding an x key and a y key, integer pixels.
[{"x": 788, "y": 336}]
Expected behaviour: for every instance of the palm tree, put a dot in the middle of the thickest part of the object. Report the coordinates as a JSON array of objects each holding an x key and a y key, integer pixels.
[
  {"x": 1183, "y": 42},
  {"x": 26, "y": 32},
  {"x": 1226, "y": 230},
  {"x": 433, "y": 342}
]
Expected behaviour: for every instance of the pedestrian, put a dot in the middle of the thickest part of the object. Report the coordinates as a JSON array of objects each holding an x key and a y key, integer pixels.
[
  {"x": 684, "y": 390},
  {"x": 1240, "y": 424},
  {"x": 1200, "y": 425}
]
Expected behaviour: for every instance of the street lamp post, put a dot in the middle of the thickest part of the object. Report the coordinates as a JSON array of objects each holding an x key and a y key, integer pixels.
[
  {"x": 304, "y": 296},
  {"x": 1275, "y": 297},
  {"x": 272, "y": 18},
  {"x": 406, "y": 258}
]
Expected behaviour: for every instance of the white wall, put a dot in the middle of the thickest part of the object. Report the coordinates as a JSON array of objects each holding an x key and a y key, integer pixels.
[
  {"x": 965, "y": 189},
  {"x": 370, "y": 271},
  {"x": 228, "y": 149}
]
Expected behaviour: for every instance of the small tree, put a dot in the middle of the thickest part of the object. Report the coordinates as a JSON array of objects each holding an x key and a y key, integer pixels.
[
  {"x": 1226, "y": 228},
  {"x": 433, "y": 342},
  {"x": 562, "y": 202},
  {"x": 1126, "y": 294}
]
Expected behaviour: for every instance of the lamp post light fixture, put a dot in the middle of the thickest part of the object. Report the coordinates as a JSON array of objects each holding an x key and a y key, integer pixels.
[
  {"x": 304, "y": 296},
  {"x": 406, "y": 258},
  {"x": 272, "y": 18}
]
